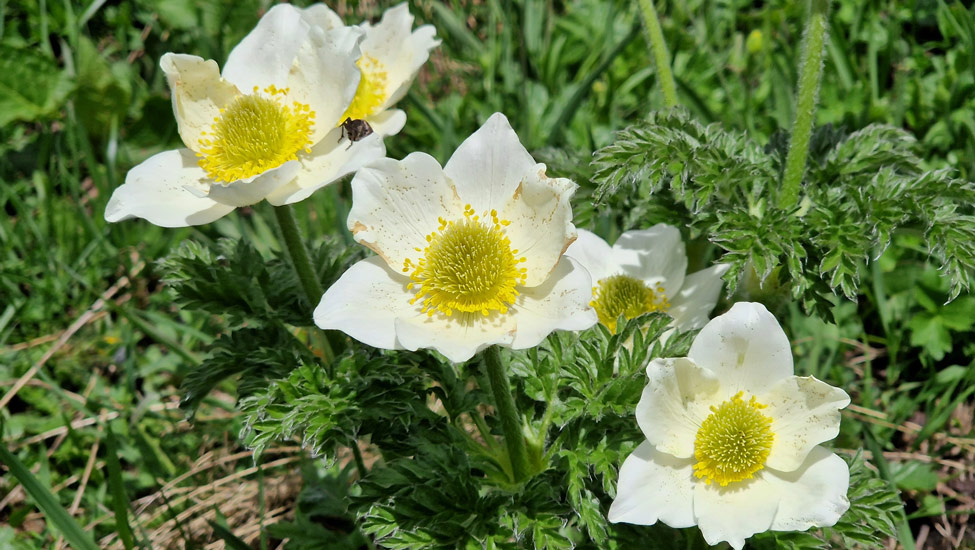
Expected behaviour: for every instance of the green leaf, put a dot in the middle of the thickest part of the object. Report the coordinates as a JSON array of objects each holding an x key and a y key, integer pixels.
[
  {"x": 929, "y": 332},
  {"x": 914, "y": 476},
  {"x": 32, "y": 87}
]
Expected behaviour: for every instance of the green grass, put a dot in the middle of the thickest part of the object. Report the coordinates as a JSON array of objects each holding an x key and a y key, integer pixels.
[{"x": 82, "y": 100}]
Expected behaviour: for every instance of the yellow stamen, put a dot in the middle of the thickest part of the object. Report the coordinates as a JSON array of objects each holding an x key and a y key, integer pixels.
[
  {"x": 371, "y": 93},
  {"x": 627, "y": 296},
  {"x": 733, "y": 442},
  {"x": 468, "y": 266},
  {"x": 255, "y": 133}
]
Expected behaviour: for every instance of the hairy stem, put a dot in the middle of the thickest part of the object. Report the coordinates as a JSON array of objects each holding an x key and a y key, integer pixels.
[
  {"x": 301, "y": 261},
  {"x": 810, "y": 73},
  {"x": 661, "y": 56},
  {"x": 504, "y": 402}
]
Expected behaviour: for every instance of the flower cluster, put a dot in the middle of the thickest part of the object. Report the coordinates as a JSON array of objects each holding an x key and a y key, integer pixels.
[
  {"x": 269, "y": 126},
  {"x": 482, "y": 251}
]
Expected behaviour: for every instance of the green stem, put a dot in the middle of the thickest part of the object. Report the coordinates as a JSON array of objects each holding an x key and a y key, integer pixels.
[
  {"x": 298, "y": 253},
  {"x": 301, "y": 261},
  {"x": 810, "y": 73},
  {"x": 360, "y": 464},
  {"x": 660, "y": 54},
  {"x": 504, "y": 402}
]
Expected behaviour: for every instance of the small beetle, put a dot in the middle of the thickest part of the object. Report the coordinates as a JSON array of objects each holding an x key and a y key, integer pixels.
[{"x": 355, "y": 130}]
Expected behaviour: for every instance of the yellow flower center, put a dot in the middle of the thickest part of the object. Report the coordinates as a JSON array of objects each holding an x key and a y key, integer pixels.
[
  {"x": 371, "y": 93},
  {"x": 255, "y": 133},
  {"x": 626, "y": 296},
  {"x": 733, "y": 442},
  {"x": 468, "y": 266}
]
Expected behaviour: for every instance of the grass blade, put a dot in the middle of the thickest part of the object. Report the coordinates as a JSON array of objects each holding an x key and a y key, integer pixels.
[
  {"x": 120, "y": 500},
  {"x": 73, "y": 533},
  {"x": 232, "y": 540}
]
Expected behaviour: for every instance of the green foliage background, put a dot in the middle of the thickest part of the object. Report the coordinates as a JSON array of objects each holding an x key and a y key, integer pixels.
[{"x": 217, "y": 326}]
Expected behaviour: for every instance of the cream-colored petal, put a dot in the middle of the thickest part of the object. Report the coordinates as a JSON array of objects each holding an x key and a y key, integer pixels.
[
  {"x": 675, "y": 402},
  {"x": 160, "y": 190},
  {"x": 736, "y": 512},
  {"x": 325, "y": 77},
  {"x": 489, "y": 165},
  {"x": 254, "y": 189},
  {"x": 387, "y": 123},
  {"x": 198, "y": 94},
  {"x": 805, "y": 412},
  {"x": 654, "y": 486},
  {"x": 745, "y": 348},
  {"x": 814, "y": 495},
  {"x": 541, "y": 222},
  {"x": 328, "y": 162},
  {"x": 594, "y": 254},
  {"x": 321, "y": 16},
  {"x": 396, "y": 205},
  {"x": 691, "y": 307},
  {"x": 561, "y": 302},
  {"x": 655, "y": 256},
  {"x": 457, "y": 337},
  {"x": 422, "y": 42},
  {"x": 265, "y": 55},
  {"x": 400, "y": 51},
  {"x": 365, "y": 302}
]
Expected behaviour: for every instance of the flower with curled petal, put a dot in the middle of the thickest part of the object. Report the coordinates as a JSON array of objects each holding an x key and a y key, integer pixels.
[
  {"x": 733, "y": 438},
  {"x": 644, "y": 272},
  {"x": 392, "y": 54},
  {"x": 469, "y": 255},
  {"x": 264, "y": 128}
]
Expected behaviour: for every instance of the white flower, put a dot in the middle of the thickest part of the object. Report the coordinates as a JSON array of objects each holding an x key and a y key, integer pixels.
[
  {"x": 470, "y": 254},
  {"x": 392, "y": 54},
  {"x": 644, "y": 272},
  {"x": 733, "y": 438},
  {"x": 267, "y": 128}
]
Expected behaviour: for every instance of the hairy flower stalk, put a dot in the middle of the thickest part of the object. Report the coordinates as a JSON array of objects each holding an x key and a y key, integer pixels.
[
  {"x": 504, "y": 402},
  {"x": 810, "y": 73},
  {"x": 660, "y": 54}
]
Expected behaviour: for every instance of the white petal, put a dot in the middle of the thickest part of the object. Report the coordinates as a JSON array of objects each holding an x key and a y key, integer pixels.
[
  {"x": 654, "y": 486},
  {"x": 400, "y": 52},
  {"x": 328, "y": 161},
  {"x": 691, "y": 307},
  {"x": 397, "y": 203},
  {"x": 489, "y": 165},
  {"x": 814, "y": 495},
  {"x": 654, "y": 255},
  {"x": 157, "y": 191},
  {"x": 265, "y": 55},
  {"x": 253, "y": 190},
  {"x": 387, "y": 123},
  {"x": 805, "y": 412},
  {"x": 746, "y": 348},
  {"x": 325, "y": 76},
  {"x": 594, "y": 254},
  {"x": 735, "y": 512},
  {"x": 198, "y": 94},
  {"x": 457, "y": 337},
  {"x": 364, "y": 303},
  {"x": 560, "y": 303},
  {"x": 674, "y": 403},
  {"x": 422, "y": 41},
  {"x": 322, "y": 16},
  {"x": 541, "y": 222}
]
